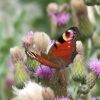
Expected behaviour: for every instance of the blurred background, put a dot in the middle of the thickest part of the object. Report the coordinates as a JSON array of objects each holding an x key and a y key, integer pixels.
[{"x": 17, "y": 17}]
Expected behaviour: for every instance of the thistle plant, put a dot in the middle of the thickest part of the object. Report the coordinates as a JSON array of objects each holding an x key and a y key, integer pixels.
[
  {"x": 80, "y": 17},
  {"x": 20, "y": 73},
  {"x": 33, "y": 80},
  {"x": 59, "y": 16}
]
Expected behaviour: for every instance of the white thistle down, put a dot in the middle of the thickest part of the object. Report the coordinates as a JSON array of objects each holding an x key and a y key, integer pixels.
[
  {"x": 41, "y": 41},
  {"x": 33, "y": 91}
]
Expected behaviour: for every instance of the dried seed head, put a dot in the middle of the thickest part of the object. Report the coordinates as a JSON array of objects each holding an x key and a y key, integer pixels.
[
  {"x": 17, "y": 54},
  {"x": 41, "y": 41},
  {"x": 52, "y": 8},
  {"x": 33, "y": 91},
  {"x": 79, "y": 7}
]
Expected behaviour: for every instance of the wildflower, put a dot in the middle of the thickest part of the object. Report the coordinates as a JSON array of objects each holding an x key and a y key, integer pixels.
[
  {"x": 78, "y": 69},
  {"x": 48, "y": 94},
  {"x": 33, "y": 91},
  {"x": 58, "y": 14},
  {"x": 44, "y": 72},
  {"x": 17, "y": 54},
  {"x": 52, "y": 8},
  {"x": 41, "y": 41},
  {"x": 28, "y": 40},
  {"x": 37, "y": 42},
  {"x": 94, "y": 65},
  {"x": 79, "y": 47},
  {"x": 60, "y": 18},
  {"x": 18, "y": 58},
  {"x": 80, "y": 17}
]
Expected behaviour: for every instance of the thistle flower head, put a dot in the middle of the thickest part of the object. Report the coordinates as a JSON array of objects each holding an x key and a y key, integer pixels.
[
  {"x": 28, "y": 40},
  {"x": 78, "y": 69},
  {"x": 80, "y": 17},
  {"x": 60, "y": 18},
  {"x": 17, "y": 54},
  {"x": 41, "y": 41},
  {"x": 79, "y": 7},
  {"x": 58, "y": 13},
  {"x": 48, "y": 94},
  {"x": 79, "y": 47},
  {"x": 94, "y": 65},
  {"x": 33, "y": 91},
  {"x": 52, "y": 8},
  {"x": 44, "y": 72}
]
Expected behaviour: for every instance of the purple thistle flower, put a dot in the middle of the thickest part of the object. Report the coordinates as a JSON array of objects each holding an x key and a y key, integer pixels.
[
  {"x": 94, "y": 65},
  {"x": 9, "y": 80},
  {"x": 63, "y": 98},
  {"x": 28, "y": 40},
  {"x": 44, "y": 72},
  {"x": 60, "y": 18},
  {"x": 30, "y": 33}
]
